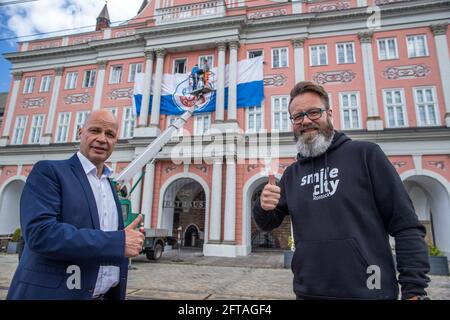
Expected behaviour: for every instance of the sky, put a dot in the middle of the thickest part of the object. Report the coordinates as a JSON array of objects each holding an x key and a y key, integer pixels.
[{"x": 30, "y": 17}]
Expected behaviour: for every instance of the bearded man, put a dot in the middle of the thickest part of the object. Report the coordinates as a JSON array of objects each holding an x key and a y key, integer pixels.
[{"x": 344, "y": 199}]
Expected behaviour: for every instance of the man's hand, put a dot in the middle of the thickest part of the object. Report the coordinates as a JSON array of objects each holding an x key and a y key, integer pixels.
[
  {"x": 270, "y": 195},
  {"x": 133, "y": 239}
]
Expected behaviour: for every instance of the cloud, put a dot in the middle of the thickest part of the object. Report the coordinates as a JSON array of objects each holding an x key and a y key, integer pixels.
[{"x": 45, "y": 16}]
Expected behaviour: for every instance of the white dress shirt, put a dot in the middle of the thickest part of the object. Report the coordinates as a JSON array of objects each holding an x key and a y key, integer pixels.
[{"x": 108, "y": 276}]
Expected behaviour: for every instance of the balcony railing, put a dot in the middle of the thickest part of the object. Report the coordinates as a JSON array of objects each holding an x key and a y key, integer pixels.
[{"x": 188, "y": 12}]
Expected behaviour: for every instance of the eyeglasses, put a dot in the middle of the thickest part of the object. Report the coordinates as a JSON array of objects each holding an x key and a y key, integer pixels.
[{"x": 312, "y": 114}]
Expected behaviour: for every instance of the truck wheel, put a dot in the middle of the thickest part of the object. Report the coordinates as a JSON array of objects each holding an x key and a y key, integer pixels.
[
  {"x": 156, "y": 253},
  {"x": 149, "y": 254}
]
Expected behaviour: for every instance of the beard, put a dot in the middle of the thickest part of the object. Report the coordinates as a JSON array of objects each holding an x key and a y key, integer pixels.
[{"x": 313, "y": 144}]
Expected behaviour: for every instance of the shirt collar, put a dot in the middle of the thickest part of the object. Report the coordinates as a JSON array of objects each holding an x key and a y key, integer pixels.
[{"x": 89, "y": 167}]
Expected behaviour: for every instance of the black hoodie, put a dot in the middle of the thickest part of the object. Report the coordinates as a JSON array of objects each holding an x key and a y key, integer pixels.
[{"x": 343, "y": 205}]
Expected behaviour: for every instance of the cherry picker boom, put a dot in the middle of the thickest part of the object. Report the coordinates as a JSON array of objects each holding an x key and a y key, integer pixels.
[
  {"x": 155, "y": 239},
  {"x": 153, "y": 149}
]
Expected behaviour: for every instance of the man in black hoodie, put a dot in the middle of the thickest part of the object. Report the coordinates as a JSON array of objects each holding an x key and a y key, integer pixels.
[{"x": 344, "y": 198}]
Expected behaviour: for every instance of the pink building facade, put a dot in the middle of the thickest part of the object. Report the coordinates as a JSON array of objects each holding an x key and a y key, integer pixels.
[{"x": 388, "y": 81}]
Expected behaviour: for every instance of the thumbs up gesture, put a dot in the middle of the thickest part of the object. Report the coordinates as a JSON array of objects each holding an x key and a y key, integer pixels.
[
  {"x": 270, "y": 195},
  {"x": 133, "y": 238}
]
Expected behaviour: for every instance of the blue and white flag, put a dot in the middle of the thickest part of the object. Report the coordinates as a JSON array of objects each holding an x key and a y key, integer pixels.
[
  {"x": 137, "y": 93},
  {"x": 176, "y": 94},
  {"x": 250, "y": 83},
  {"x": 176, "y": 89}
]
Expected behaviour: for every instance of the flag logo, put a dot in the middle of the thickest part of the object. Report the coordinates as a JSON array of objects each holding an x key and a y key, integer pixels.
[{"x": 183, "y": 98}]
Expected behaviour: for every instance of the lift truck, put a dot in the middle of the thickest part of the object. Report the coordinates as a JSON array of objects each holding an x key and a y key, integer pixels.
[{"x": 155, "y": 239}]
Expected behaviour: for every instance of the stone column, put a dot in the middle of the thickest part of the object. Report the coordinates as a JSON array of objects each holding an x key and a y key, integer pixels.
[
  {"x": 143, "y": 118},
  {"x": 232, "y": 81},
  {"x": 100, "y": 82},
  {"x": 9, "y": 113},
  {"x": 440, "y": 40},
  {"x": 47, "y": 136},
  {"x": 373, "y": 116},
  {"x": 215, "y": 221},
  {"x": 147, "y": 203},
  {"x": 160, "y": 53},
  {"x": 230, "y": 201},
  {"x": 220, "y": 93},
  {"x": 299, "y": 59}
]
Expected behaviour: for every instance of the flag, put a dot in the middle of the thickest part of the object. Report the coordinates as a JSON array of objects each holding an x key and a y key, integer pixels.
[
  {"x": 176, "y": 89},
  {"x": 176, "y": 94},
  {"x": 250, "y": 83},
  {"x": 138, "y": 90}
]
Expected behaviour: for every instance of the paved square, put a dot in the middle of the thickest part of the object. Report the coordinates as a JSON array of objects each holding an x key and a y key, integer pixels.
[{"x": 195, "y": 277}]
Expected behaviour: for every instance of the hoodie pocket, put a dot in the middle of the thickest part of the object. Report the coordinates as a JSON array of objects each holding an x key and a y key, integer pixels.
[{"x": 330, "y": 269}]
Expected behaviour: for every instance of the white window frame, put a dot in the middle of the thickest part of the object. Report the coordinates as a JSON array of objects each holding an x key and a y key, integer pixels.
[
  {"x": 341, "y": 107},
  {"x": 346, "y": 61},
  {"x": 29, "y": 85},
  {"x": 272, "y": 108},
  {"x": 404, "y": 109},
  {"x": 179, "y": 59},
  {"x": 19, "y": 129},
  {"x": 256, "y": 50},
  {"x": 46, "y": 81},
  {"x": 330, "y": 100},
  {"x": 318, "y": 64},
  {"x": 78, "y": 124},
  {"x": 200, "y": 58},
  {"x": 258, "y": 110},
  {"x": 170, "y": 120},
  {"x": 112, "y": 74},
  {"x": 36, "y": 130},
  {"x": 71, "y": 80},
  {"x": 128, "y": 123},
  {"x": 388, "y": 57},
  {"x": 91, "y": 79},
  {"x": 436, "y": 107},
  {"x": 196, "y": 127},
  {"x": 279, "y": 57},
  {"x": 138, "y": 68},
  {"x": 415, "y": 43},
  {"x": 61, "y": 126}
]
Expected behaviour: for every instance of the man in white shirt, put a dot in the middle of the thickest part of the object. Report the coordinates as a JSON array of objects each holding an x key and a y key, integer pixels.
[{"x": 76, "y": 246}]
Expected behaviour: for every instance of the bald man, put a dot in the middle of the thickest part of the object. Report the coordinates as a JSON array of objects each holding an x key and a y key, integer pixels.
[{"x": 76, "y": 246}]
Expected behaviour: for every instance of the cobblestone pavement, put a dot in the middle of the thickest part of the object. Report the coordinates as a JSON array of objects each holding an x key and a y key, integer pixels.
[{"x": 193, "y": 276}]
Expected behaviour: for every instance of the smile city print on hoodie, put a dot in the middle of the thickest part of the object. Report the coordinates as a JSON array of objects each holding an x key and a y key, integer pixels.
[
  {"x": 325, "y": 182},
  {"x": 343, "y": 204}
]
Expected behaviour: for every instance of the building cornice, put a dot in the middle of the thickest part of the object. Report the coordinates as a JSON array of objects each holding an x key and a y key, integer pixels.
[
  {"x": 402, "y": 135},
  {"x": 315, "y": 19},
  {"x": 125, "y": 149},
  {"x": 238, "y": 21},
  {"x": 92, "y": 47},
  {"x": 386, "y": 135}
]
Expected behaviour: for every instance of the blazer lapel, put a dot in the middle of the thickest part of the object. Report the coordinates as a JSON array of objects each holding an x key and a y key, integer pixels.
[
  {"x": 119, "y": 207},
  {"x": 77, "y": 169}
]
